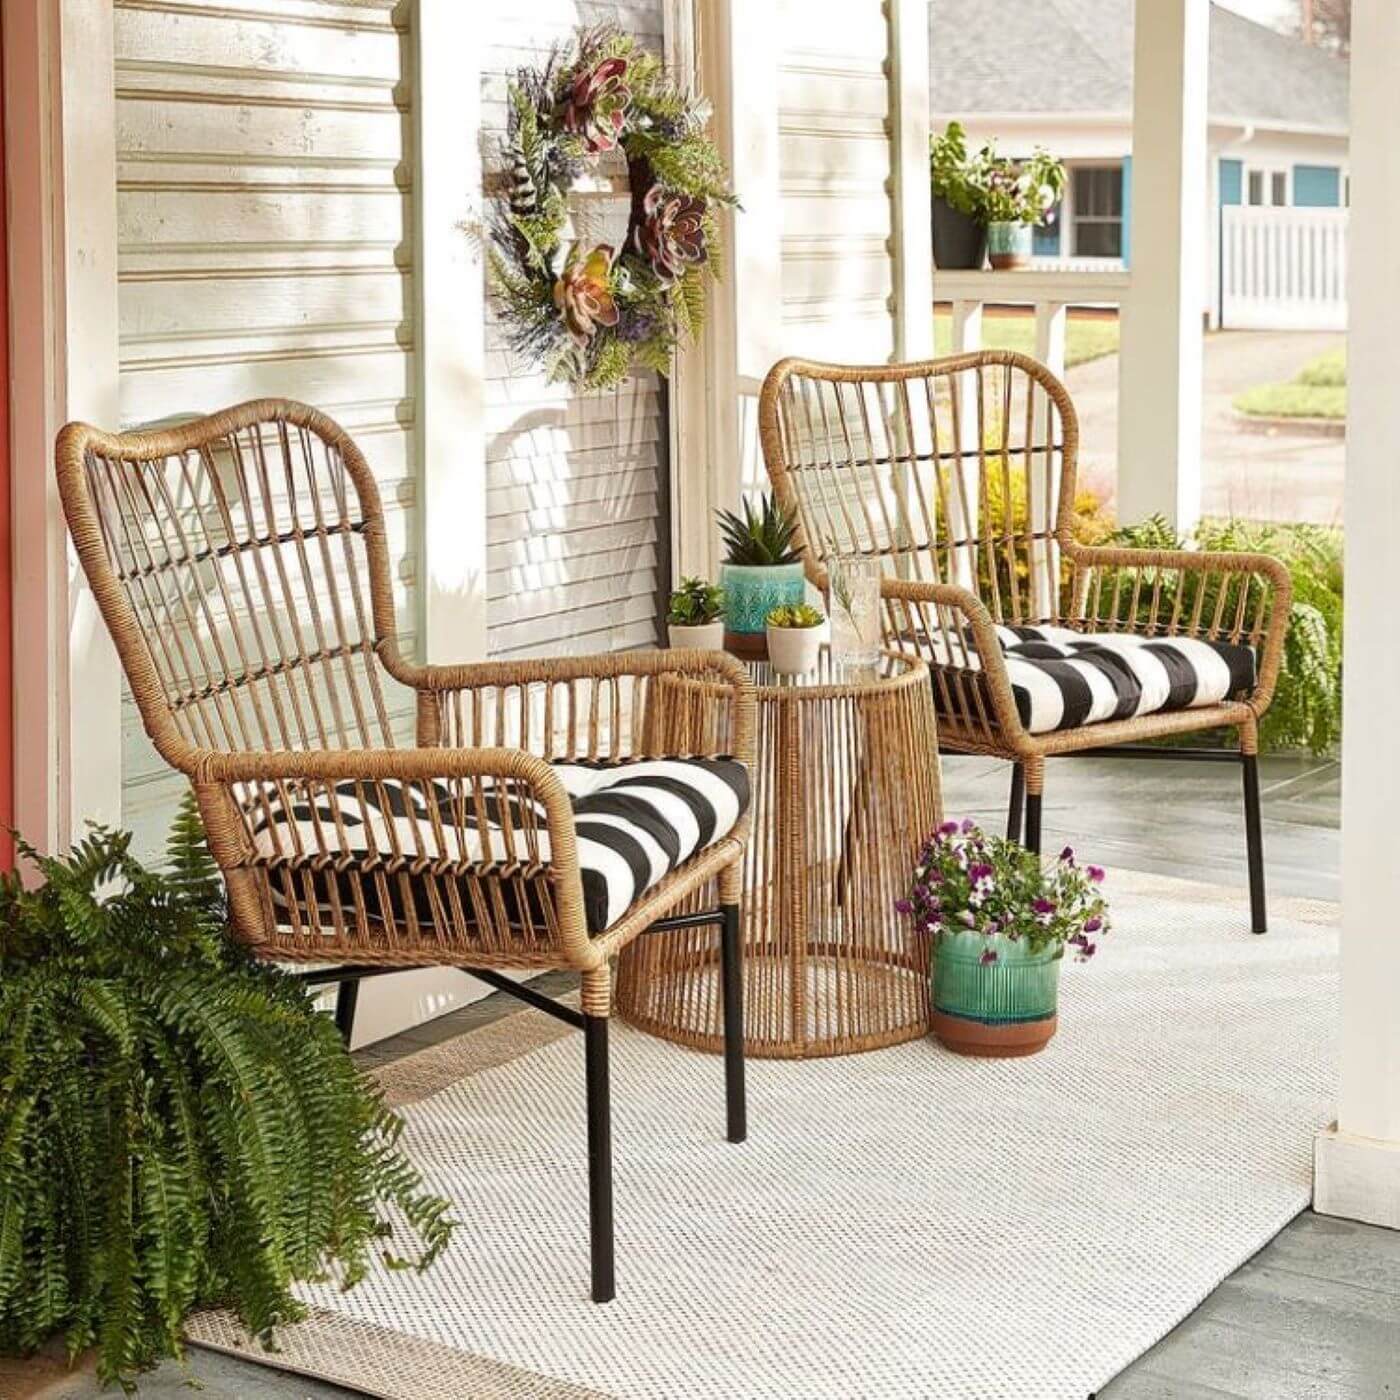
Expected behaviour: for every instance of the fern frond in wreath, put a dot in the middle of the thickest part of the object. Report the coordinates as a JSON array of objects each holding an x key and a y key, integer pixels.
[{"x": 591, "y": 314}]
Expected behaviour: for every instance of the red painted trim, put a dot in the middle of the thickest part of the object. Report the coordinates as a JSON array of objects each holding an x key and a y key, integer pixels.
[{"x": 7, "y": 757}]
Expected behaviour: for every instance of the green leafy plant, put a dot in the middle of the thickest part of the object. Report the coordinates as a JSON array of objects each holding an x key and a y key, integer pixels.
[
  {"x": 695, "y": 603},
  {"x": 1306, "y": 711},
  {"x": 968, "y": 882},
  {"x": 799, "y": 615},
  {"x": 179, "y": 1126},
  {"x": 1022, "y": 192},
  {"x": 957, "y": 178},
  {"x": 765, "y": 534}
]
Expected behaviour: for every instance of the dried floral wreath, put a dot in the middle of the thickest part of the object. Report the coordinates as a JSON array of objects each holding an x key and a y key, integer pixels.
[{"x": 589, "y": 314}]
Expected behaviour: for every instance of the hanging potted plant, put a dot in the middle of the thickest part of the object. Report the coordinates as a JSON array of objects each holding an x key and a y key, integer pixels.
[
  {"x": 1001, "y": 921},
  {"x": 762, "y": 570},
  {"x": 695, "y": 618},
  {"x": 1019, "y": 196},
  {"x": 958, "y": 182},
  {"x": 795, "y": 637}
]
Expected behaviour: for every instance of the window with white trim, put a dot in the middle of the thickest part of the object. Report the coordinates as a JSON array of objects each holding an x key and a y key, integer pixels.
[
  {"x": 1266, "y": 186},
  {"x": 1096, "y": 210}
]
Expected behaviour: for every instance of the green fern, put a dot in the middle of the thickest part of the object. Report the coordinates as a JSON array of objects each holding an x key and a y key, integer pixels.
[{"x": 179, "y": 1127}]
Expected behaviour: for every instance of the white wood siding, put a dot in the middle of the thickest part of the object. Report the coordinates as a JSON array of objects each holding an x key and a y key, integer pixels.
[
  {"x": 576, "y": 483},
  {"x": 834, "y": 160},
  {"x": 265, "y": 243}
]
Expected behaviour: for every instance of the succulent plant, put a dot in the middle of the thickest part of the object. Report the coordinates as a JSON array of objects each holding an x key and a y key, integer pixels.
[
  {"x": 764, "y": 535},
  {"x": 695, "y": 603},
  {"x": 583, "y": 293},
  {"x": 801, "y": 615},
  {"x": 595, "y": 108},
  {"x": 671, "y": 235}
]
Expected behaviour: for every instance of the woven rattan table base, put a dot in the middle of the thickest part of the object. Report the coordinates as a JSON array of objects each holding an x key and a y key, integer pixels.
[{"x": 845, "y": 790}]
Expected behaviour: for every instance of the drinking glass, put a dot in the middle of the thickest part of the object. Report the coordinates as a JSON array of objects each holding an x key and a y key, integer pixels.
[{"x": 853, "y": 604}]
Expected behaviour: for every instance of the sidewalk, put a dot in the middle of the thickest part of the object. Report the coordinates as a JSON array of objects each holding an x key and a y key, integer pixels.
[{"x": 1286, "y": 475}]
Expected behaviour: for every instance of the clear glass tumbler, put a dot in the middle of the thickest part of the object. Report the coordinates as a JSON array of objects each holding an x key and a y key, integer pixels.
[{"x": 853, "y": 605}]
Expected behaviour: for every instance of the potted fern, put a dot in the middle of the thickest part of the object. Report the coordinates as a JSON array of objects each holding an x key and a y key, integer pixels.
[
  {"x": 762, "y": 570},
  {"x": 179, "y": 1126},
  {"x": 795, "y": 636},
  {"x": 1000, "y": 921},
  {"x": 695, "y": 617}
]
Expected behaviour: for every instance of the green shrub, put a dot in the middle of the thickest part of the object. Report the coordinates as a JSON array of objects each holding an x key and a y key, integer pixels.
[
  {"x": 179, "y": 1127},
  {"x": 1306, "y": 712},
  {"x": 1326, "y": 370}
]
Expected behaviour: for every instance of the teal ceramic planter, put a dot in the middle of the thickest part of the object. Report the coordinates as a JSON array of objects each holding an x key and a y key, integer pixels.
[
  {"x": 751, "y": 592},
  {"x": 1003, "y": 1008},
  {"x": 1009, "y": 245}
]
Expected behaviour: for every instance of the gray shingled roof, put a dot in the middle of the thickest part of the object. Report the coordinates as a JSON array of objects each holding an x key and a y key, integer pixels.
[{"x": 1077, "y": 56}]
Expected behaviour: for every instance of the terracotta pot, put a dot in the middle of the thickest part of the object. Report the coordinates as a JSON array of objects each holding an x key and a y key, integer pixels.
[
  {"x": 793, "y": 651},
  {"x": 1000, "y": 1009},
  {"x": 704, "y": 636}
]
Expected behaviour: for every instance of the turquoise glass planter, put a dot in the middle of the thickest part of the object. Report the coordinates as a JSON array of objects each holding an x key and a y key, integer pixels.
[
  {"x": 752, "y": 591},
  {"x": 1006, "y": 1007}
]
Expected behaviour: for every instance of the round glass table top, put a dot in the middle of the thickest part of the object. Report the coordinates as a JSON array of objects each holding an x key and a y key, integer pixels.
[{"x": 891, "y": 667}]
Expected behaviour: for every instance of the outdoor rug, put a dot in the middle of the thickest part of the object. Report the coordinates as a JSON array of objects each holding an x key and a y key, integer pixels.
[{"x": 900, "y": 1224}]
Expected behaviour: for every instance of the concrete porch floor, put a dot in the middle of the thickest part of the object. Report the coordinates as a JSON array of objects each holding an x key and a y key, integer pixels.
[{"x": 1317, "y": 1312}]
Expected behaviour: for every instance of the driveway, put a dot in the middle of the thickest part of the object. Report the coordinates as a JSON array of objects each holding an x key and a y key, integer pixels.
[{"x": 1278, "y": 475}]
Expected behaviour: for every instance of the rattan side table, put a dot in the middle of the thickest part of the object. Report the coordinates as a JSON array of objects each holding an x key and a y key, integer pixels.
[{"x": 846, "y": 789}]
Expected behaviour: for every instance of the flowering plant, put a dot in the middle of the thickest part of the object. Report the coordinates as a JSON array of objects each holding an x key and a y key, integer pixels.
[
  {"x": 1022, "y": 192},
  {"x": 968, "y": 882}
]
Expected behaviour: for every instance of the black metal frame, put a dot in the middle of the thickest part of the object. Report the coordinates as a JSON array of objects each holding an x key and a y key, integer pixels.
[
  {"x": 597, "y": 1076},
  {"x": 1028, "y": 831}
]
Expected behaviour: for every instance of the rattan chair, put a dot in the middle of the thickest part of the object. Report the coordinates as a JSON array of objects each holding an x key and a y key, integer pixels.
[
  {"x": 959, "y": 475},
  {"x": 242, "y": 565}
]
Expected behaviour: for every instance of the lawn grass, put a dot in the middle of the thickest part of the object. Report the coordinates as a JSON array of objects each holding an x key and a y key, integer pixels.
[
  {"x": 1086, "y": 337},
  {"x": 1318, "y": 390}
]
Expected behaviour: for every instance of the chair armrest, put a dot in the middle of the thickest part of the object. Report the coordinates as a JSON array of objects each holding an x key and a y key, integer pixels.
[
  {"x": 457, "y": 813},
  {"x": 591, "y": 707},
  {"x": 1211, "y": 595},
  {"x": 953, "y": 631}
]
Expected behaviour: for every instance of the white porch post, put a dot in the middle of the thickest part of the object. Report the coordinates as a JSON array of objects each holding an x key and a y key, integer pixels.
[
  {"x": 60, "y": 116},
  {"x": 1159, "y": 385},
  {"x": 1358, "y": 1161},
  {"x": 913, "y": 230}
]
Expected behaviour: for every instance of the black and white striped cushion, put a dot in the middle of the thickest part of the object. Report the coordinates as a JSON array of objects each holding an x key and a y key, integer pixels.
[
  {"x": 635, "y": 822},
  {"x": 1064, "y": 679}
]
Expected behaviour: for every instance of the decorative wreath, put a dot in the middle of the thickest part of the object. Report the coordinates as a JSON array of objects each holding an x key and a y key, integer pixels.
[{"x": 590, "y": 313}]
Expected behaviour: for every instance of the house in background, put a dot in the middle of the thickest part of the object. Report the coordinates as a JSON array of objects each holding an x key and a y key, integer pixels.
[{"x": 1059, "y": 73}]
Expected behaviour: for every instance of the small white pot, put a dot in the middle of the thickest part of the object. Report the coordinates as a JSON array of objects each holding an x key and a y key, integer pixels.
[
  {"x": 793, "y": 651},
  {"x": 707, "y": 636}
]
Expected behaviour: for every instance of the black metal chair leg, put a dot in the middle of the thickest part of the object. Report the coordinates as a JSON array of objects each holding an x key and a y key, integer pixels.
[
  {"x": 1254, "y": 839},
  {"x": 1033, "y": 822},
  {"x": 600, "y": 1183},
  {"x": 347, "y": 998},
  {"x": 732, "y": 971},
  {"x": 1013, "y": 811}
]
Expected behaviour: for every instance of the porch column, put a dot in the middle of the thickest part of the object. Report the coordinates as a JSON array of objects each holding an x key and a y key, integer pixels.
[
  {"x": 1358, "y": 1160},
  {"x": 733, "y": 48},
  {"x": 1159, "y": 376}
]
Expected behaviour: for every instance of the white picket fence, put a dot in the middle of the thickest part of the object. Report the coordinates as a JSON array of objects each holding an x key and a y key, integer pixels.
[{"x": 1283, "y": 269}]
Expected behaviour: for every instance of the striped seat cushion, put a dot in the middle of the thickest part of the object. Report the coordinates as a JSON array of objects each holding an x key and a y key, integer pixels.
[
  {"x": 1064, "y": 679},
  {"x": 635, "y": 822}
]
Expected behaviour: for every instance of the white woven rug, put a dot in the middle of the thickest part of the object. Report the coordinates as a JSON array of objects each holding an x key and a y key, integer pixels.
[{"x": 901, "y": 1224}]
